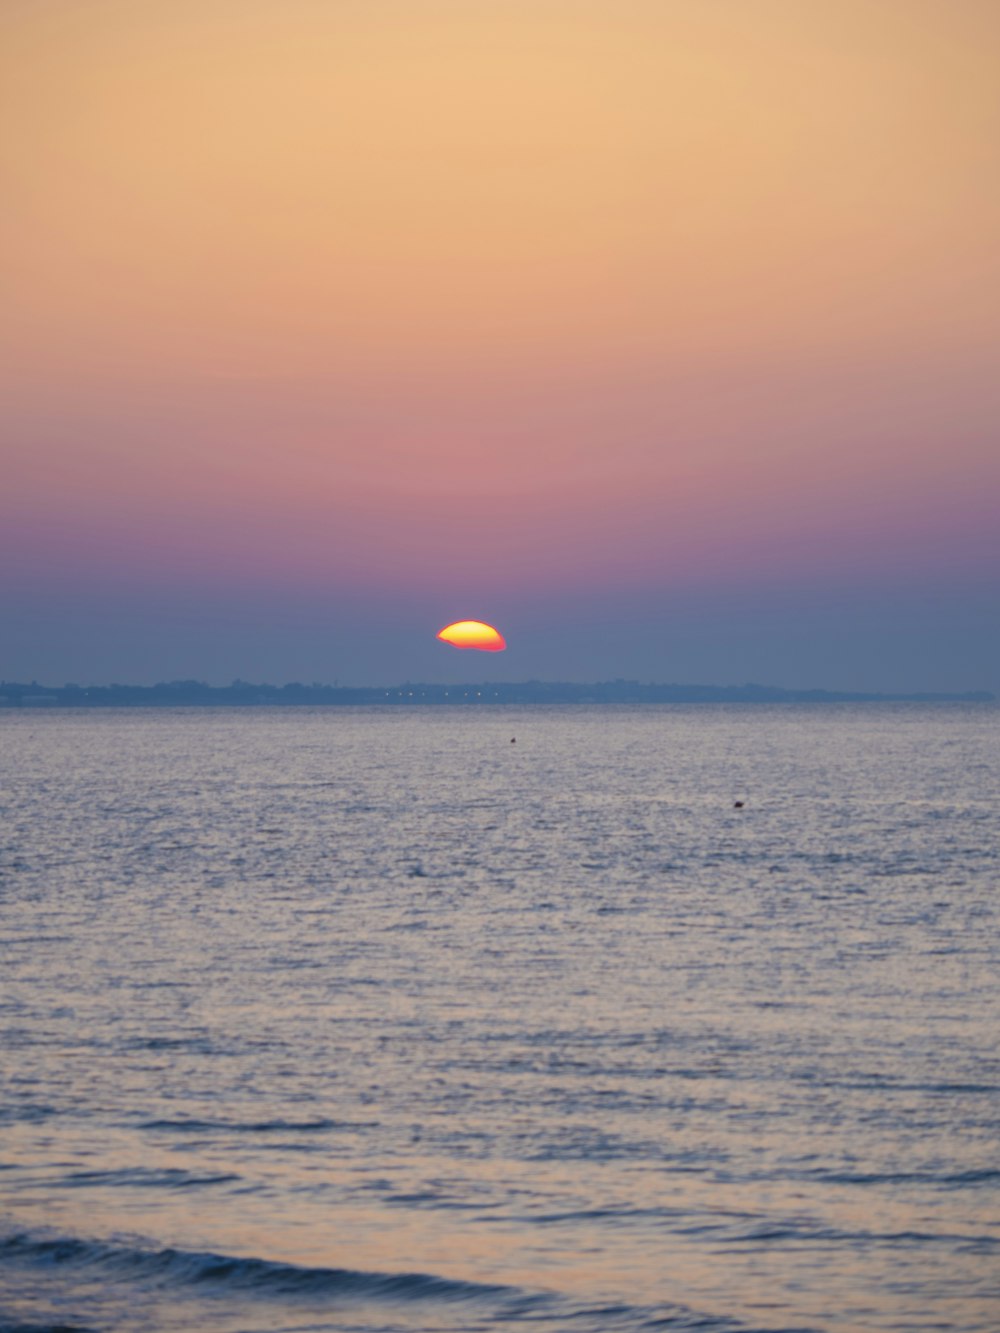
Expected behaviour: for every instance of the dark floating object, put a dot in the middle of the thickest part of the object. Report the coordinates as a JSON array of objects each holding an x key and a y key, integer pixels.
[
  {"x": 513, "y": 740},
  {"x": 738, "y": 805}
]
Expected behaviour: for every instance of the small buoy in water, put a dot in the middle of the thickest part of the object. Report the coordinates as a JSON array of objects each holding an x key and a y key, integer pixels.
[
  {"x": 737, "y": 805},
  {"x": 513, "y": 740}
]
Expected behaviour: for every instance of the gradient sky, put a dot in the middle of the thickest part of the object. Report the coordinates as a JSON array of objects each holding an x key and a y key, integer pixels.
[{"x": 661, "y": 334}]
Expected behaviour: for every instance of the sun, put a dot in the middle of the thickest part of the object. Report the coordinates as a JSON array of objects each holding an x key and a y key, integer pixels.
[{"x": 473, "y": 634}]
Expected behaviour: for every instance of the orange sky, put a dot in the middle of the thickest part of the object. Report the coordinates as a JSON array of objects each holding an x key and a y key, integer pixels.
[{"x": 498, "y": 293}]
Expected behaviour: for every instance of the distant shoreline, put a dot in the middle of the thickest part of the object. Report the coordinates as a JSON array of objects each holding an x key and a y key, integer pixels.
[{"x": 242, "y": 694}]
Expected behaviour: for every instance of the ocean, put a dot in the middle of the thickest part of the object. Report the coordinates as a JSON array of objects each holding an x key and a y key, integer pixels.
[{"x": 491, "y": 1018}]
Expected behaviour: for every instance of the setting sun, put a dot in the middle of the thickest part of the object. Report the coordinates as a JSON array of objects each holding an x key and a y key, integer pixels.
[{"x": 473, "y": 634}]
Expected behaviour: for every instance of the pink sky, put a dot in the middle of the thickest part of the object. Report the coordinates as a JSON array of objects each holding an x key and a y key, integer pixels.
[{"x": 426, "y": 307}]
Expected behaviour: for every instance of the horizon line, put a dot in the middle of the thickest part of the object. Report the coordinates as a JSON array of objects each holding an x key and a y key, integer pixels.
[{"x": 619, "y": 689}]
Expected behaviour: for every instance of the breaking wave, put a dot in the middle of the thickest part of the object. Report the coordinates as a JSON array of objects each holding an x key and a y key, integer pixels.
[
  {"x": 195, "y": 1268},
  {"x": 168, "y": 1270}
]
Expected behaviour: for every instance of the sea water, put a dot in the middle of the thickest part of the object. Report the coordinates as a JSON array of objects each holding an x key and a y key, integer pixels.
[{"x": 479, "y": 1019}]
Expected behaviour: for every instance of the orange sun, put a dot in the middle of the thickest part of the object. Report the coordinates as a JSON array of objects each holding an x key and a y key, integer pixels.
[{"x": 473, "y": 634}]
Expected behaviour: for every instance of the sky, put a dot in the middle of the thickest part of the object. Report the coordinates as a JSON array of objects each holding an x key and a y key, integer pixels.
[{"x": 660, "y": 334}]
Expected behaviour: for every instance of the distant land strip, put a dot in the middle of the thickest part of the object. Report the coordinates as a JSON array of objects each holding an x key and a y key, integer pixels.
[{"x": 241, "y": 693}]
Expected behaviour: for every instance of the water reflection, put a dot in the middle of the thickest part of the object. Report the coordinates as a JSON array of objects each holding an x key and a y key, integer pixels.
[{"x": 352, "y": 991}]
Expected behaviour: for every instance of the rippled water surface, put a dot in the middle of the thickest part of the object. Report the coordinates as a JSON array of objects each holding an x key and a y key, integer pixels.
[{"x": 372, "y": 1020}]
